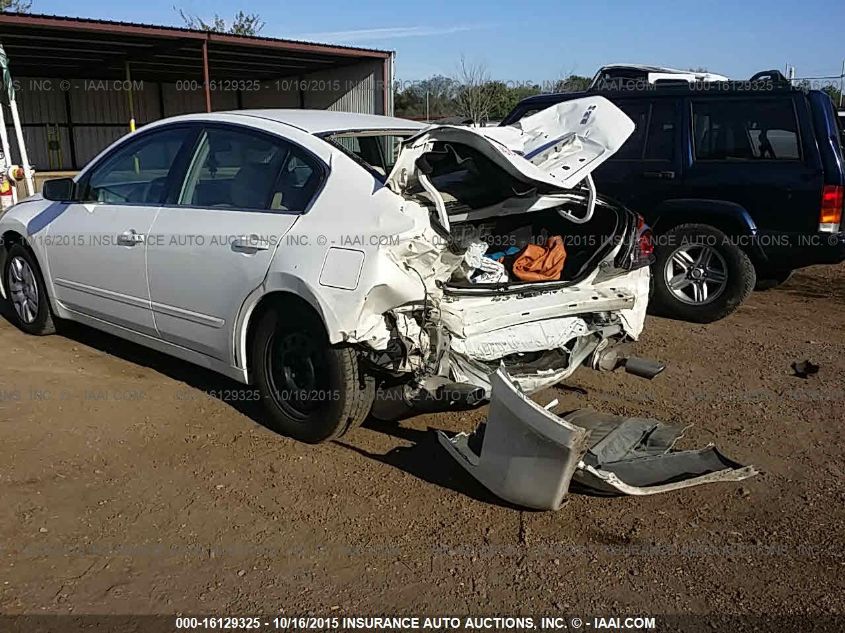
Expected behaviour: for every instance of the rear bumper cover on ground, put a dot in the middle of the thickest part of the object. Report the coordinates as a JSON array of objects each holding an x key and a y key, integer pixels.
[{"x": 530, "y": 457}]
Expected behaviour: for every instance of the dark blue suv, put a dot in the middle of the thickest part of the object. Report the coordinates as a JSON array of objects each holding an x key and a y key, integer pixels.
[{"x": 742, "y": 182}]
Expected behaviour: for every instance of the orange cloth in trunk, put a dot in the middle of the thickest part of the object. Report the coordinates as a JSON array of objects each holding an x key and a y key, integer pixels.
[{"x": 541, "y": 263}]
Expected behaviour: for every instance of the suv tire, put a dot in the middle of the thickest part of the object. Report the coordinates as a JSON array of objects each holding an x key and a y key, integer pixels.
[
  {"x": 699, "y": 274},
  {"x": 26, "y": 295},
  {"x": 311, "y": 391}
]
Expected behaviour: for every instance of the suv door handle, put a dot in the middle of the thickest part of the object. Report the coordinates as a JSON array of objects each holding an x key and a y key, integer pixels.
[
  {"x": 250, "y": 244},
  {"x": 130, "y": 238},
  {"x": 659, "y": 175}
]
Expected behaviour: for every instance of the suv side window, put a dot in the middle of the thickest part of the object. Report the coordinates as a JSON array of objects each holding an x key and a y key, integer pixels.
[
  {"x": 745, "y": 129},
  {"x": 660, "y": 141},
  {"x": 637, "y": 111},
  {"x": 237, "y": 169},
  {"x": 137, "y": 173}
]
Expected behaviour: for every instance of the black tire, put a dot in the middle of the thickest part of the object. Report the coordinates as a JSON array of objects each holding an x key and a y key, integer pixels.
[
  {"x": 727, "y": 259},
  {"x": 766, "y": 280},
  {"x": 311, "y": 391},
  {"x": 21, "y": 267}
]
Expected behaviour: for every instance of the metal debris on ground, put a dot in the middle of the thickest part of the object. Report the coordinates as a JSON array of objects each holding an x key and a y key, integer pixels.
[
  {"x": 805, "y": 369},
  {"x": 529, "y": 456}
]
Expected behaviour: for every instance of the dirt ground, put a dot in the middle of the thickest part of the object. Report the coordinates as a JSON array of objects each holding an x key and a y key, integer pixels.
[{"x": 136, "y": 484}]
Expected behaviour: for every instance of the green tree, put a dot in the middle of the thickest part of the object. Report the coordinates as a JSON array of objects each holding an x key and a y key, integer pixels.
[
  {"x": 242, "y": 24},
  {"x": 571, "y": 83},
  {"x": 833, "y": 92},
  {"x": 15, "y": 6},
  {"x": 432, "y": 98}
]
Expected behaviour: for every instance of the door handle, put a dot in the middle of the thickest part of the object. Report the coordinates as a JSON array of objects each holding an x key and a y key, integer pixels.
[
  {"x": 130, "y": 238},
  {"x": 659, "y": 175},
  {"x": 250, "y": 244}
]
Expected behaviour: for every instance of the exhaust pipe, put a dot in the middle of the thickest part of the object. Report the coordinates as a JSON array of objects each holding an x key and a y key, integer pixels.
[{"x": 643, "y": 367}]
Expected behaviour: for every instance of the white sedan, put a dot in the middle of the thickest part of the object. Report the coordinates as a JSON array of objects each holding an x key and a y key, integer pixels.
[{"x": 325, "y": 256}]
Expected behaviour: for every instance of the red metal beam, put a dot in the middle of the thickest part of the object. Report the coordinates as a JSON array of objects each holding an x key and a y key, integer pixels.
[
  {"x": 94, "y": 26},
  {"x": 205, "y": 76},
  {"x": 302, "y": 47},
  {"x": 82, "y": 25}
]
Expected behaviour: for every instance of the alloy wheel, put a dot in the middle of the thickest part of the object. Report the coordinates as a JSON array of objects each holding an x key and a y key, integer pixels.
[
  {"x": 23, "y": 289},
  {"x": 696, "y": 274}
]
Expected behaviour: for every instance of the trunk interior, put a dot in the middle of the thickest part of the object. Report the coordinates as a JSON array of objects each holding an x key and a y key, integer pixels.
[
  {"x": 585, "y": 244},
  {"x": 481, "y": 198}
]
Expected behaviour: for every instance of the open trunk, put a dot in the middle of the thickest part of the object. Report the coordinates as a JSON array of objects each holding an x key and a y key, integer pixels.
[
  {"x": 520, "y": 193},
  {"x": 524, "y": 266}
]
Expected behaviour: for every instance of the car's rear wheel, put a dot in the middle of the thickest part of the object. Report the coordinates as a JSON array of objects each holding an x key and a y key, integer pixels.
[
  {"x": 699, "y": 274},
  {"x": 312, "y": 391},
  {"x": 26, "y": 293}
]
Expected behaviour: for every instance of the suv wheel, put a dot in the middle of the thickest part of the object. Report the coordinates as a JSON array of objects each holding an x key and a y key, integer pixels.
[
  {"x": 700, "y": 275},
  {"x": 26, "y": 293},
  {"x": 311, "y": 391}
]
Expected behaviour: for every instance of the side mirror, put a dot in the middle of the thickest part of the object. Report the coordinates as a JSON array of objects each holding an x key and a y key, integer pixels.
[{"x": 59, "y": 189}]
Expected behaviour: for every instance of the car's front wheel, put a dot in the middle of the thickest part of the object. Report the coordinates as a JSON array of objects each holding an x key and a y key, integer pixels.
[
  {"x": 699, "y": 274},
  {"x": 26, "y": 293},
  {"x": 312, "y": 391}
]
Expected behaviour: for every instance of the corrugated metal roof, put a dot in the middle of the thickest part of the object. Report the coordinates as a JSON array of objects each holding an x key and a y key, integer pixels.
[{"x": 35, "y": 18}]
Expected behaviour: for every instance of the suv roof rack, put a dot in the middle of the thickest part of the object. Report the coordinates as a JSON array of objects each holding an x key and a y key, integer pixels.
[
  {"x": 616, "y": 78},
  {"x": 774, "y": 76},
  {"x": 617, "y": 75}
]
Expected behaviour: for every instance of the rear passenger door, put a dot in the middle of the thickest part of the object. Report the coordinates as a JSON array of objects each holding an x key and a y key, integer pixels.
[
  {"x": 644, "y": 172},
  {"x": 212, "y": 244},
  {"x": 749, "y": 150}
]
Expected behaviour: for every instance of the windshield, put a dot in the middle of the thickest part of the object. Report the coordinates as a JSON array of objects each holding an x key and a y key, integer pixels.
[{"x": 376, "y": 150}]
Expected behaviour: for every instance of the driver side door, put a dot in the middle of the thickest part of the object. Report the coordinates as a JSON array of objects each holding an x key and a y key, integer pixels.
[{"x": 97, "y": 245}]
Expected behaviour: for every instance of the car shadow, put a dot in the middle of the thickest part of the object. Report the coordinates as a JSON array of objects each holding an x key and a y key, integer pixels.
[
  {"x": 426, "y": 460},
  {"x": 808, "y": 286},
  {"x": 210, "y": 382}
]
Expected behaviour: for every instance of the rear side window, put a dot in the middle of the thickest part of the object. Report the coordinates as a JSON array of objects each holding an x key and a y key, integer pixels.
[
  {"x": 745, "y": 129},
  {"x": 237, "y": 169},
  {"x": 377, "y": 151}
]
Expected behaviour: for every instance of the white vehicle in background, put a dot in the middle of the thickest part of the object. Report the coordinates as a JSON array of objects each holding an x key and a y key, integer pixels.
[{"x": 320, "y": 255}]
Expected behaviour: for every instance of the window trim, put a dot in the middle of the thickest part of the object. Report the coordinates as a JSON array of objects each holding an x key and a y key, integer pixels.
[{"x": 745, "y": 161}]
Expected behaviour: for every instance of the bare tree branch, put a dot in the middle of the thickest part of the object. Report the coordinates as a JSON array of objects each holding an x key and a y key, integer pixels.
[{"x": 474, "y": 98}]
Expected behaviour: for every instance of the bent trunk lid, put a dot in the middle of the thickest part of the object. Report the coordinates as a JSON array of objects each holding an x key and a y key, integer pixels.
[{"x": 554, "y": 149}]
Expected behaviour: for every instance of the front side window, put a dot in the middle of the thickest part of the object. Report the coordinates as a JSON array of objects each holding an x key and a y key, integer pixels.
[
  {"x": 237, "y": 169},
  {"x": 137, "y": 173},
  {"x": 637, "y": 111},
  {"x": 749, "y": 129},
  {"x": 660, "y": 140}
]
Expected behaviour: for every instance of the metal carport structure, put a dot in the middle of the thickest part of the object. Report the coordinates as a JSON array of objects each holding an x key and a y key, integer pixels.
[{"x": 80, "y": 81}]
